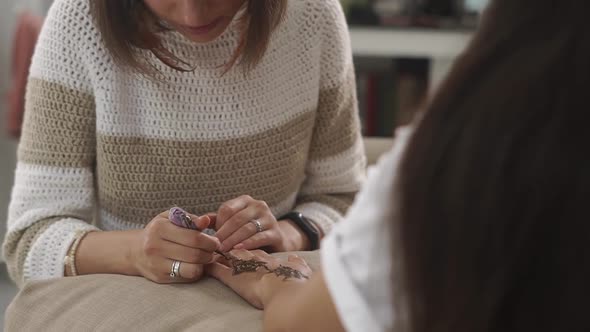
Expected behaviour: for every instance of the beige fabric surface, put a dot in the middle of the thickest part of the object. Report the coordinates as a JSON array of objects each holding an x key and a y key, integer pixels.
[{"x": 119, "y": 303}]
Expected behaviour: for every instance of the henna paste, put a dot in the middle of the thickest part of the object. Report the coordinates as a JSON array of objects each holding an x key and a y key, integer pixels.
[
  {"x": 288, "y": 272},
  {"x": 251, "y": 265}
]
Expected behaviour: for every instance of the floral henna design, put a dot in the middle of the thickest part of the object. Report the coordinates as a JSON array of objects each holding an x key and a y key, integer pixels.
[
  {"x": 288, "y": 272},
  {"x": 251, "y": 265}
]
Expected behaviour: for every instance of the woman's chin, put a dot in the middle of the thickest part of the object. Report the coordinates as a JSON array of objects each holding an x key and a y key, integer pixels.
[{"x": 200, "y": 36}]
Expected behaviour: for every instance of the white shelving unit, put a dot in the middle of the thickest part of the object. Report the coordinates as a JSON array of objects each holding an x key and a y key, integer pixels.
[{"x": 442, "y": 47}]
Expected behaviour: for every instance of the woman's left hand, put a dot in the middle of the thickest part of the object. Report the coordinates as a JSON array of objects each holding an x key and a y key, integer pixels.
[
  {"x": 259, "y": 287},
  {"x": 247, "y": 223}
]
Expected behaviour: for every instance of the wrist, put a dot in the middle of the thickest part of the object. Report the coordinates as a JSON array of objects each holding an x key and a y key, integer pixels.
[
  {"x": 272, "y": 286},
  {"x": 307, "y": 228},
  {"x": 108, "y": 252},
  {"x": 294, "y": 238},
  {"x": 130, "y": 254}
]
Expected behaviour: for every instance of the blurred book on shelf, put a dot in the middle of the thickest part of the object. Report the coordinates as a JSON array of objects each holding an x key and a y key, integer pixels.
[
  {"x": 389, "y": 92},
  {"x": 444, "y": 14},
  {"x": 392, "y": 89}
]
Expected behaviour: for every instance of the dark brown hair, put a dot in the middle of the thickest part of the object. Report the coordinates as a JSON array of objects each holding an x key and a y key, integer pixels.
[
  {"x": 494, "y": 227},
  {"x": 128, "y": 25}
]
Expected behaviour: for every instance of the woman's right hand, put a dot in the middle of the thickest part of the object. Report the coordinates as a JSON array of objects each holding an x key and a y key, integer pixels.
[{"x": 161, "y": 243}]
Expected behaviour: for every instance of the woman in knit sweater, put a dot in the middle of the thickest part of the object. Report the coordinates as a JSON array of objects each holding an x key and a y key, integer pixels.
[{"x": 238, "y": 111}]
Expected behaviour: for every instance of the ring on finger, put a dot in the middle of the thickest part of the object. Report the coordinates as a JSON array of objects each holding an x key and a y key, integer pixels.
[
  {"x": 175, "y": 271},
  {"x": 258, "y": 225}
]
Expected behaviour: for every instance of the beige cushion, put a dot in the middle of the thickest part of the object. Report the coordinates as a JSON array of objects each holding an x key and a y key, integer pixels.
[
  {"x": 375, "y": 147},
  {"x": 119, "y": 303}
]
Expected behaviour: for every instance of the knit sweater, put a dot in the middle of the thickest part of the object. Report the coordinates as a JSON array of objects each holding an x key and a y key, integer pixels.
[{"x": 106, "y": 148}]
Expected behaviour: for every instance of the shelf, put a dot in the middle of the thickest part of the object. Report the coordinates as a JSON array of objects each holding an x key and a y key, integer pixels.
[{"x": 427, "y": 43}]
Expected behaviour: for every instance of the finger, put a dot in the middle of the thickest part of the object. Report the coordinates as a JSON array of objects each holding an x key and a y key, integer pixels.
[
  {"x": 237, "y": 221},
  {"x": 212, "y": 220},
  {"x": 187, "y": 237},
  {"x": 262, "y": 255},
  {"x": 201, "y": 222},
  {"x": 248, "y": 230},
  {"x": 218, "y": 271},
  {"x": 162, "y": 268},
  {"x": 187, "y": 272},
  {"x": 229, "y": 208},
  {"x": 258, "y": 240},
  {"x": 296, "y": 259},
  {"x": 271, "y": 262},
  {"x": 181, "y": 253},
  {"x": 300, "y": 264},
  {"x": 221, "y": 260},
  {"x": 242, "y": 254},
  {"x": 178, "y": 217},
  {"x": 191, "y": 271}
]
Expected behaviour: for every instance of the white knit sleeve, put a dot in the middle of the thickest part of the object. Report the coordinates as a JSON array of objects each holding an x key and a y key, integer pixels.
[
  {"x": 336, "y": 166},
  {"x": 53, "y": 194}
]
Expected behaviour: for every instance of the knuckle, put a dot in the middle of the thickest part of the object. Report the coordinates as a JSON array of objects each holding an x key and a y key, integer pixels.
[
  {"x": 149, "y": 247},
  {"x": 193, "y": 272},
  {"x": 262, "y": 236},
  {"x": 206, "y": 257},
  {"x": 262, "y": 205},
  {"x": 196, "y": 255},
  {"x": 225, "y": 209},
  {"x": 246, "y": 197},
  {"x": 258, "y": 252}
]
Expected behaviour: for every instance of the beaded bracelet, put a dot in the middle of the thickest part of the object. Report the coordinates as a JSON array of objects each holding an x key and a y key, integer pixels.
[{"x": 70, "y": 259}]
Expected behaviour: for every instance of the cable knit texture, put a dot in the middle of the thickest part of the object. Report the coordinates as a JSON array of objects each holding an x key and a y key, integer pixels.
[{"x": 106, "y": 148}]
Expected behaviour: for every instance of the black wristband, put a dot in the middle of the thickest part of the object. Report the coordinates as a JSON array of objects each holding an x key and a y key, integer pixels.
[{"x": 306, "y": 227}]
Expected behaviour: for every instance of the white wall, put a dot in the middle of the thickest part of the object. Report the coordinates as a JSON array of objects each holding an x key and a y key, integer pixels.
[{"x": 7, "y": 146}]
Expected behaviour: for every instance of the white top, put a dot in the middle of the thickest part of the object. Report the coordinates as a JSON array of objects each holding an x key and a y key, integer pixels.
[{"x": 356, "y": 256}]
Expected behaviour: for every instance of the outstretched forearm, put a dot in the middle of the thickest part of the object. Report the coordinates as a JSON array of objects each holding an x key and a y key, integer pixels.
[
  {"x": 302, "y": 307},
  {"x": 106, "y": 253}
]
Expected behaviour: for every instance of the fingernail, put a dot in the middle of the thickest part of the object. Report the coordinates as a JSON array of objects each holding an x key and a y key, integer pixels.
[
  {"x": 203, "y": 222},
  {"x": 239, "y": 246},
  {"x": 222, "y": 248}
]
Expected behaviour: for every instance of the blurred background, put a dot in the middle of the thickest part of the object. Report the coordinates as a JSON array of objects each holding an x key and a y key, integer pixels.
[
  {"x": 11, "y": 12},
  {"x": 402, "y": 49},
  {"x": 7, "y": 144}
]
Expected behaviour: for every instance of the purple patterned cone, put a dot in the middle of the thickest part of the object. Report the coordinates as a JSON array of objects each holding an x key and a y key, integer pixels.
[{"x": 180, "y": 218}]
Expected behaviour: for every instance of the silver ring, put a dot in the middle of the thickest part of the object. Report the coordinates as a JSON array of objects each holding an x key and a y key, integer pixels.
[
  {"x": 175, "y": 271},
  {"x": 258, "y": 225}
]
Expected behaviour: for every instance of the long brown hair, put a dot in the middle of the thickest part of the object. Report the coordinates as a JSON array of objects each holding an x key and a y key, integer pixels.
[
  {"x": 494, "y": 226},
  {"x": 128, "y": 25}
]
